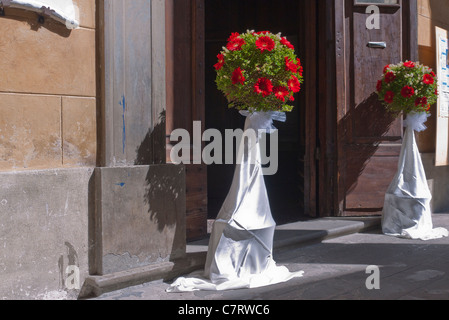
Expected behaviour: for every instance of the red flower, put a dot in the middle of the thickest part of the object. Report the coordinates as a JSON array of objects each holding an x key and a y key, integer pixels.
[
  {"x": 432, "y": 73},
  {"x": 264, "y": 87},
  {"x": 265, "y": 43},
  {"x": 389, "y": 97},
  {"x": 290, "y": 65},
  {"x": 386, "y": 68},
  {"x": 287, "y": 43},
  {"x": 262, "y": 32},
  {"x": 428, "y": 79},
  {"x": 436, "y": 92},
  {"x": 424, "y": 101},
  {"x": 407, "y": 92},
  {"x": 390, "y": 77},
  {"x": 379, "y": 85},
  {"x": 292, "y": 98},
  {"x": 237, "y": 76},
  {"x": 294, "y": 84},
  {"x": 409, "y": 64},
  {"x": 280, "y": 93},
  {"x": 421, "y": 101},
  {"x": 300, "y": 68},
  {"x": 234, "y": 36},
  {"x": 235, "y": 44},
  {"x": 220, "y": 63}
]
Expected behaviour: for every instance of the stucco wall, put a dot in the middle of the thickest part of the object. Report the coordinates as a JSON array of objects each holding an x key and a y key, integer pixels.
[
  {"x": 432, "y": 13},
  {"x": 47, "y": 91}
]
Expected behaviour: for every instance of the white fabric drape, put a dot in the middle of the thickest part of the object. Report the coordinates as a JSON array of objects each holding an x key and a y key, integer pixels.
[
  {"x": 241, "y": 243},
  {"x": 407, "y": 210},
  {"x": 61, "y": 10}
]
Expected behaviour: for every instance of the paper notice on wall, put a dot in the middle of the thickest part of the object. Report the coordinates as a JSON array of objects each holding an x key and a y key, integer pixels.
[
  {"x": 63, "y": 11},
  {"x": 443, "y": 77}
]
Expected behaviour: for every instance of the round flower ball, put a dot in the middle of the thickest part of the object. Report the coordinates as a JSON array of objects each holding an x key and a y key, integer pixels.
[
  {"x": 408, "y": 87},
  {"x": 259, "y": 71}
]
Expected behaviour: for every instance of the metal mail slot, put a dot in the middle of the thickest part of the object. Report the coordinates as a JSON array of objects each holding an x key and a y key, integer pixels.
[{"x": 381, "y": 45}]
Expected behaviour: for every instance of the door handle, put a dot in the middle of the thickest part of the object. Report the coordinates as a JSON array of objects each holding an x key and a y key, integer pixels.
[{"x": 379, "y": 45}]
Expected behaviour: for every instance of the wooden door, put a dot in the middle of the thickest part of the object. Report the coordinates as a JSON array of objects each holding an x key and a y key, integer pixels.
[{"x": 369, "y": 139}]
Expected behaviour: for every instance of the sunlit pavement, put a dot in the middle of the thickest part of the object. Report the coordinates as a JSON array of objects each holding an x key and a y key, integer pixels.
[{"x": 336, "y": 268}]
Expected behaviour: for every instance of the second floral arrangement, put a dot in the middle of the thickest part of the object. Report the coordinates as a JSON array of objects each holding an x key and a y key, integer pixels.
[{"x": 408, "y": 87}]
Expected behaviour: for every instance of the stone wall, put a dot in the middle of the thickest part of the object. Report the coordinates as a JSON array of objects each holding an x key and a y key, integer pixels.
[
  {"x": 47, "y": 91},
  {"x": 84, "y": 188}
]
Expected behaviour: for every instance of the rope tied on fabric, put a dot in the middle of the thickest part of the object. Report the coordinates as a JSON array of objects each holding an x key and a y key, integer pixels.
[{"x": 416, "y": 120}]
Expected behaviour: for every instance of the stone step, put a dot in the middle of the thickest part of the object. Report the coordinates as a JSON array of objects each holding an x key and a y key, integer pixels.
[{"x": 289, "y": 235}]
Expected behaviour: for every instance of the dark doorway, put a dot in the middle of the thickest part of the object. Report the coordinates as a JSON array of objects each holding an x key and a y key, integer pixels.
[{"x": 222, "y": 17}]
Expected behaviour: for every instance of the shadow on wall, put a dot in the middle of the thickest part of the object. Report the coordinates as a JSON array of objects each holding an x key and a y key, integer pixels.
[
  {"x": 165, "y": 184},
  {"x": 358, "y": 123},
  {"x": 36, "y": 21}
]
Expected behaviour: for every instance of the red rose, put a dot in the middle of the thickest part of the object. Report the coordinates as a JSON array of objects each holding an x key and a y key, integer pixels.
[
  {"x": 389, "y": 97},
  {"x": 379, "y": 85},
  {"x": 280, "y": 93},
  {"x": 265, "y": 43},
  {"x": 237, "y": 76},
  {"x": 264, "y": 87},
  {"x": 390, "y": 77},
  {"x": 290, "y": 65},
  {"x": 294, "y": 84},
  {"x": 287, "y": 43},
  {"x": 220, "y": 63},
  {"x": 407, "y": 92},
  {"x": 409, "y": 64},
  {"x": 236, "y": 44},
  {"x": 428, "y": 79},
  {"x": 386, "y": 68}
]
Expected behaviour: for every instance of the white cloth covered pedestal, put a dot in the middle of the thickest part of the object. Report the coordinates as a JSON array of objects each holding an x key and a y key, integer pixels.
[
  {"x": 240, "y": 248},
  {"x": 406, "y": 211}
]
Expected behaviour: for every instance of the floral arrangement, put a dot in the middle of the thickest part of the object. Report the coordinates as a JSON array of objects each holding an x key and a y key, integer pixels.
[
  {"x": 408, "y": 87},
  {"x": 259, "y": 71}
]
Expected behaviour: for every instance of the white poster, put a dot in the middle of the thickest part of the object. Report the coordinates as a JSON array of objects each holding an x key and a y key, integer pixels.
[
  {"x": 443, "y": 77},
  {"x": 61, "y": 10}
]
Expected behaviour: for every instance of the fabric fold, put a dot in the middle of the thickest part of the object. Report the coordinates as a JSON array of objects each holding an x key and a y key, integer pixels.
[{"x": 241, "y": 243}]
